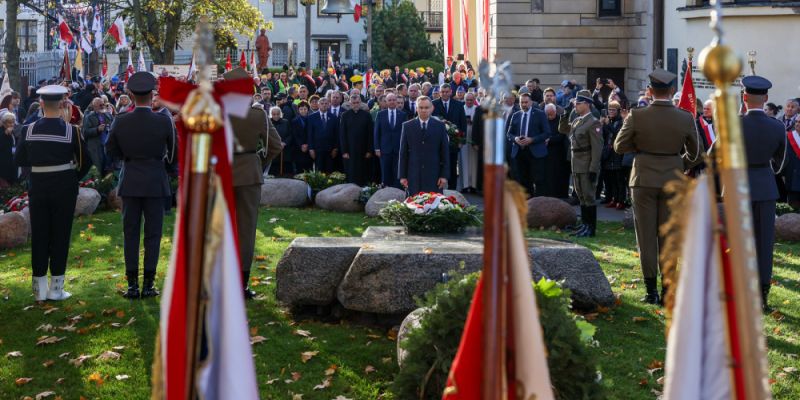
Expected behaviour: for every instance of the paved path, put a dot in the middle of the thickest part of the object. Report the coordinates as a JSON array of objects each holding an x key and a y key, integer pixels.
[{"x": 603, "y": 213}]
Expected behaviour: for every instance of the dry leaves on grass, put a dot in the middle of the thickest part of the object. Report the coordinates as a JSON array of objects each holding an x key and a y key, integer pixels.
[
  {"x": 45, "y": 340},
  {"x": 45, "y": 395},
  {"x": 307, "y": 355},
  {"x": 297, "y": 397},
  {"x": 22, "y": 381},
  {"x": 257, "y": 339},
  {"x": 122, "y": 377},
  {"x": 45, "y": 328},
  {"x": 14, "y": 354},
  {"x": 109, "y": 355},
  {"x": 271, "y": 381},
  {"x": 369, "y": 369},
  {"x": 48, "y": 363},
  {"x": 331, "y": 370},
  {"x": 96, "y": 378},
  {"x": 639, "y": 319},
  {"x": 50, "y": 310},
  {"x": 326, "y": 383},
  {"x": 340, "y": 397},
  {"x": 300, "y": 332},
  {"x": 80, "y": 360}
]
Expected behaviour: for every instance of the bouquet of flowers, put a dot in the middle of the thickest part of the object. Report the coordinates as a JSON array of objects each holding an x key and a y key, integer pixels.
[
  {"x": 455, "y": 136},
  {"x": 367, "y": 192},
  {"x": 431, "y": 213},
  {"x": 17, "y": 203}
]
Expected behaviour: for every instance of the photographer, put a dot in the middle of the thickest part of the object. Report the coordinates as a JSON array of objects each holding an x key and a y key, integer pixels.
[{"x": 95, "y": 130}]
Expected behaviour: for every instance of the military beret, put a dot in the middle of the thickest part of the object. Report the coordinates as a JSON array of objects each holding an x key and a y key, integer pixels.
[
  {"x": 755, "y": 84},
  {"x": 141, "y": 83},
  {"x": 661, "y": 79}
]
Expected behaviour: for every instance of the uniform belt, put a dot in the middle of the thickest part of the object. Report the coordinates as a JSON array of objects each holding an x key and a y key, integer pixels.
[
  {"x": 765, "y": 165},
  {"x": 581, "y": 149},
  {"x": 53, "y": 168},
  {"x": 652, "y": 153}
]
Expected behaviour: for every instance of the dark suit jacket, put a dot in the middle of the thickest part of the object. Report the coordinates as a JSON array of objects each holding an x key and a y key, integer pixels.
[
  {"x": 454, "y": 114},
  {"x": 764, "y": 140},
  {"x": 141, "y": 138},
  {"x": 538, "y": 130},
  {"x": 387, "y": 139},
  {"x": 407, "y": 109},
  {"x": 424, "y": 158},
  {"x": 323, "y": 136}
]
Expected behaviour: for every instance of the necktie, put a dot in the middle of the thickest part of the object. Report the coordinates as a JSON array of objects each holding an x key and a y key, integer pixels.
[
  {"x": 413, "y": 107},
  {"x": 524, "y": 127},
  {"x": 446, "y": 107},
  {"x": 324, "y": 118},
  {"x": 391, "y": 118},
  {"x": 424, "y": 127}
]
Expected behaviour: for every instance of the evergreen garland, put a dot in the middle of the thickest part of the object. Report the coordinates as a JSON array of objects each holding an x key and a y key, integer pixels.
[{"x": 432, "y": 347}]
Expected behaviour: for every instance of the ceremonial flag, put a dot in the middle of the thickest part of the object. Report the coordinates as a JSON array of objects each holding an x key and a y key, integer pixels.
[
  {"x": 97, "y": 29},
  {"x": 105, "y": 67},
  {"x": 356, "y": 4},
  {"x": 482, "y": 29},
  {"x": 243, "y": 61},
  {"x": 79, "y": 62},
  {"x": 141, "y": 65},
  {"x": 688, "y": 100},
  {"x": 66, "y": 68},
  {"x": 697, "y": 353},
  {"x": 192, "y": 69},
  {"x": 5, "y": 90},
  {"x": 464, "y": 29},
  {"x": 86, "y": 44},
  {"x": 64, "y": 32},
  {"x": 227, "y": 370},
  {"x": 228, "y": 65},
  {"x": 117, "y": 31},
  {"x": 129, "y": 70},
  {"x": 527, "y": 374},
  {"x": 708, "y": 131},
  {"x": 253, "y": 66},
  {"x": 448, "y": 29}
]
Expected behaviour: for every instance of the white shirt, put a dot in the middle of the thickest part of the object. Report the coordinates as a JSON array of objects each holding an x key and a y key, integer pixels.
[
  {"x": 523, "y": 129},
  {"x": 423, "y": 123}
]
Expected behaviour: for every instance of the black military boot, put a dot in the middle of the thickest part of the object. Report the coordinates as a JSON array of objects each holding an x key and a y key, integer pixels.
[
  {"x": 248, "y": 294},
  {"x": 133, "y": 286},
  {"x": 591, "y": 222},
  {"x": 651, "y": 285},
  {"x": 582, "y": 227},
  {"x": 148, "y": 286},
  {"x": 764, "y": 295}
]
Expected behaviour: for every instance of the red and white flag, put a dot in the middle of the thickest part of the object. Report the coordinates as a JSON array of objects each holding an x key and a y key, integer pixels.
[
  {"x": 228, "y": 65},
  {"x": 66, "y": 68},
  {"x": 356, "y": 4},
  {"x": 129, "y": 71},
  {"x": 447, "y": 23},
  {"x": 117, "y": 31},
  {"x": 708, "y": 131},
  {"x": 243, "y": 61},
  {"x": 482, "y": 29},
  {"x": 64, "y": 31},
  {"x": 530, "y": 378},
  {"x": 228, "y": 370},
  {"x": 140, "y": 64},
  {"x": 697, "y": 349},
  {"x": 688, "y": 100},
  {"x": 86, "y": 43},
  {"x": 464, "y": 29},
  {"x": 97, "y": 28}
]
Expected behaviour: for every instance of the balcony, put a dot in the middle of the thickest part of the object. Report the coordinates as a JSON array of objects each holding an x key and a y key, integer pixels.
[{"x": 432, "y": 19}]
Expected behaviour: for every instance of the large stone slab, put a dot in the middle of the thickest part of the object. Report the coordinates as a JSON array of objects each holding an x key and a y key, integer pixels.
[
  {"x": 341, "y": 198},
  {"x": 386, "y": 276},
  {"x": 87, "y": 202},
  {"x": 383, "y": 232},
  {"x": 14, "y": 230},
  {"x": 577, "y": 267},
  {"x": 382, "y": 197},
  {"x": 281, "y": 192},
  {"x": 411, "y": 322},
  {"x": 310, "y": 270}
]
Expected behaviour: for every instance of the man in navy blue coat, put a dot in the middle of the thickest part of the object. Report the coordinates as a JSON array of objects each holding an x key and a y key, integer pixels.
[
  {"x": 388, "y": 127},
  {"x": 453, "y": 111},
  {"x": 424, "y": 152},
  {"x": 528, "y": 133},
  {"x": 765, "y": 142},
  {"x": 323, "y": 137}
]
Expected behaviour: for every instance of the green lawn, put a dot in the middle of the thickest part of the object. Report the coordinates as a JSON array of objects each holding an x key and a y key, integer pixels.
[{"x": 362, "y": 359}]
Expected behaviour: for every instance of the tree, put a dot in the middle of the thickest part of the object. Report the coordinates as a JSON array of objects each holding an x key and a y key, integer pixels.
[
  {"x": 161, "y": 24},
  {"x": 12, "y": 49},
  {"x": 398, "y": 36}
]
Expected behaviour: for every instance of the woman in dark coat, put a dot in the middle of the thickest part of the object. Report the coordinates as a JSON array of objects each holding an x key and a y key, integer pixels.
[
  {"x": 285, "y": 132},
  {"x": 302, "y": 160},
  {"x": 8, "y": 140},
  {"x": 611, "y": 162}
]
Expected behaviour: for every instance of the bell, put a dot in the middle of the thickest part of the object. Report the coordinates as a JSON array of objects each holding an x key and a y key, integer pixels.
[{"x": 337, "y": 7}]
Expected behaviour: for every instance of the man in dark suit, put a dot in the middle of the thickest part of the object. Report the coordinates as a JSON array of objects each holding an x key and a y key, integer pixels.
[
  {"x": 452, "y": 110},
  {"x": 528, "y": 132},
  {"x": 355, "y": 136},
  {"x": 141, "y": 139},
  {"x": 424, "y": 152},
  {"x": 247, "y": 176},
  {"x": 410, "y": 106},
  {"x": 323, "y": 137},
  {"x": 764, "y": 140},
  {"x": 388, "y": 128}
]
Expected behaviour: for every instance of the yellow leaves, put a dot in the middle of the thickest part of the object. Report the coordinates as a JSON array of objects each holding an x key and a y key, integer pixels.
[
  {"x": 22, "y": 381},
  {"x": 307, "y": 355},
  {"x": 261, "y": 258},
  {"x": 96, "y": 378},
  {"x": 331, "y": 370}
]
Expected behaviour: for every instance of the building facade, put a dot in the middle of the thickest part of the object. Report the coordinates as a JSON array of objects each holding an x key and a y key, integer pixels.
[{"x": 30, "y": 30}]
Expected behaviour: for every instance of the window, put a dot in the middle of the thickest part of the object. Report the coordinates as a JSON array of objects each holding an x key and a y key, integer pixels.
[
  {"x": 609, "y": 8},
  {"x": 280, "y": 54},
  {"x": 362, "y": 53},
  {"x": 284, "y": 8},
  {"x": 27, "y": 35},
  {"x": 348, "y": 51}
]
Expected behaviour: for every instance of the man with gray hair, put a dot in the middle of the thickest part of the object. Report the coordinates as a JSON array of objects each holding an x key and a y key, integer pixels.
[{"x": 96, "y": 125}]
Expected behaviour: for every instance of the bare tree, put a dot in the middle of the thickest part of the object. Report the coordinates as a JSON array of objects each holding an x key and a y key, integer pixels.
[{"x": 12, "y": 49}]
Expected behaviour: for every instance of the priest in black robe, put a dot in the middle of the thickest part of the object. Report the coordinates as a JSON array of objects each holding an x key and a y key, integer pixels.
[{"x": 356, "y": 139}]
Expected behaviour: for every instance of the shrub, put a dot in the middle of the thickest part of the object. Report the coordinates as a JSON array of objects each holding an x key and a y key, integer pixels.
[
  {"x": 438, "y": 66},
  {"x": 367, "y": 192},
  {"x": 320, "y": 180},
  {"x": 432, "y": 347}
]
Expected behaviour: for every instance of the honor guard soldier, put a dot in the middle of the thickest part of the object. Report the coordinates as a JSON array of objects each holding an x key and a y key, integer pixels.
[
  {"x": 142, "y": 139},
  {"x": 658, "y": 134},
  {"x": 764, "y": 142},
  {"x": 58, "y": 159},
  {"x": 586, "y": 141},
  {"x": 247, "y": 176}
]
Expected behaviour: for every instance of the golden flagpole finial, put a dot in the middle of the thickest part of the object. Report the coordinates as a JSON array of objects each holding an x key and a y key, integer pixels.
[
  {"x": 751, "y": 59},
  {"x": 690, "y": 50}
]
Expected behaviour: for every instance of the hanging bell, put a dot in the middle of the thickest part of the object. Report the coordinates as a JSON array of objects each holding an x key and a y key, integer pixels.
[{"x": 337, "y": 7}]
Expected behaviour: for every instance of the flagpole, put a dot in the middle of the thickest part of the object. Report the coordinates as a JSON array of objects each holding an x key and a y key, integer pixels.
[
  {"x": 747, "y": 346},
  {"x": 494, "y": 250}
]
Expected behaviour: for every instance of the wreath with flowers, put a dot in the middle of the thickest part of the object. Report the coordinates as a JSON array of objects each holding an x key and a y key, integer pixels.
[
  {"x": 430, "y": 212},
  {"x": 17, "y": 203},
  {"x": 455, "y": 136}
]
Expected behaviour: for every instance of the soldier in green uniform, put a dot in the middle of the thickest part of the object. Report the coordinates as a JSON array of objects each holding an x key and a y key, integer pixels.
[
  {"x": 585, "y": 135},
  {"x": 665, "y": 141}
]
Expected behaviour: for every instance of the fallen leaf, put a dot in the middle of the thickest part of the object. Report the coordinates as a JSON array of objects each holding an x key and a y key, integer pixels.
[
  {"x": 27, "y": 308},
  {"x": 655, "y": 364},
  {"x": 296, "y": 376},
  {"x": 307, "y": 355},
  {"x": 790, "y": 369},
  {"x": 121, "y": 377},
  {"x": 109, "y": 355},
  {"x": 60, "y": 381},
  {"x": 49, "y": 340},
  {"x": 14, "y": 354},
  {"x": 643, "y": 382},
  {"x": 325, "y": 384},
  {"x": 108, "y": 312},
  {"x": 257, "y": 339},
  {"x": 340, "y": 397},
  {"x": 120, "y": 314},
  {"x": 254, "y": 331},
  {"x": 369, "y": 369},
  {"x": 130, "y": 321},
  {"x": 45, "y": 328},
  {"x": 386, "y": 360},
  {"x": 22, "y": 381},
  {"x": 63, "y": 355},
  {"x": 392, "y": 334},
  {"x": 116, "y": 325},
  {"x": 271, "y": 381},
  {"x": 81, "y": 303},
  {"x": 44, "y": 395},
  {"x": 51, "y": 310},
  {"x": 96, "y": 378},
  {"x": 48, "y": 363},
  {"x": 80, "y": 360},
  {"x": 297, "y": 397},
  {"x": 639, "y": 319},
  {"x": 117, "y": 348},
  {"x": 660, "y": 381},
  {"x": 261, "y": 258},
  {"x": 302, "y": 333},
  {"x": 67, "y": 328},
  {"x": 331, "y": 370}
]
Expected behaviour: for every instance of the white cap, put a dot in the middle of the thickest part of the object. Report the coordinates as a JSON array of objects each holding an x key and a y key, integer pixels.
[{"x": 52, "y": 92}]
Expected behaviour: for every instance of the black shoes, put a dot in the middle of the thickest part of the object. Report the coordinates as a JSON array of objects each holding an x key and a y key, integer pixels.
[
  {"x": 652, "y": 297},
  {"x": 589, "y": 219},
  {"x": 149, "y": 289},
  {"x": 249, "y": 294},
  {"x": 132, "y": 292},
  {"x": 765, "y": 308}
]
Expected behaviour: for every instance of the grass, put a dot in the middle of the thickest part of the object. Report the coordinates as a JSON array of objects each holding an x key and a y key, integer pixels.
[{"x": 625, "y": 349}]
